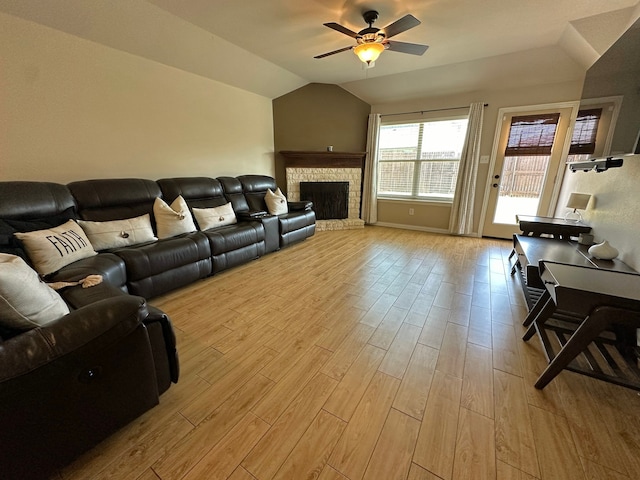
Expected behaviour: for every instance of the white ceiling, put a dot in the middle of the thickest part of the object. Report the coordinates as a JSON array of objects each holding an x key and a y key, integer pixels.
[{"x": 267, "y": 46}]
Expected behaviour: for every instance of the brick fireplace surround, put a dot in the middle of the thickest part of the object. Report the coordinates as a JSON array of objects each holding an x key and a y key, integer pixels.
[{"x": 310, "y": 166}]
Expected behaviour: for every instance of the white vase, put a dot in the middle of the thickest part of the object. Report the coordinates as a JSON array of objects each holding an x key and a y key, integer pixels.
[{"x": 603, "y": 251}]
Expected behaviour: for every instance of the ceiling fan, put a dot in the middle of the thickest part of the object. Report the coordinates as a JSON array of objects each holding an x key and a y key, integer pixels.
[{"x": 372, "y": 41}]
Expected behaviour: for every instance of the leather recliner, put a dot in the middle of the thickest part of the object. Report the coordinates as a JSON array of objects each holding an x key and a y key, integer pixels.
[
  {"x": 296, "y": 225},
  {"x": 154, "y": 268},
  {"x": 247, "y": 193},
  {"x": 66, "y": 386},
  {"x": 231, "y": 245}
]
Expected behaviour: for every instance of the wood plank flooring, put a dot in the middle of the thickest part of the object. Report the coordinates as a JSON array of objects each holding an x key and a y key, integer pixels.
[{"x": 375, "y": 354}]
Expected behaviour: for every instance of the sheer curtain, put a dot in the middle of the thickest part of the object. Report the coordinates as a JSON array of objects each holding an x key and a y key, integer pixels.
[
  {"x": 370, "y": 187},
  {"x": 461, "y": 220}
]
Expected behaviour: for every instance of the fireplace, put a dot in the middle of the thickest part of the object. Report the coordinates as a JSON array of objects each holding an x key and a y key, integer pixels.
[
  {"x": 330, "y": 199},
  {"x": 327, "y": 167}
]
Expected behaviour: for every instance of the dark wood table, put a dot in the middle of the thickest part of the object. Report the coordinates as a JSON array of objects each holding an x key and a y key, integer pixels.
[
  {"x": 558, "y": 227},
  {"x": 530, "y": 250},
  {"x": 594, "y": 314}
]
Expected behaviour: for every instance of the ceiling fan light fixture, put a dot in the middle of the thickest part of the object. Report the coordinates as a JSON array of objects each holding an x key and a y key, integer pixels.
[{"x": 368, "y": 52}]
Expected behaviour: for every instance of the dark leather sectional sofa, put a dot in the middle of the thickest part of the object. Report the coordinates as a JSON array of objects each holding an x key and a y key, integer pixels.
[{"x": 69, "y": 384}]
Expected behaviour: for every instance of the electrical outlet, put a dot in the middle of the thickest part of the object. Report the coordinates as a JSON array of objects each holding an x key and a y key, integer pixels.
[{"x": 411, "y": 211}]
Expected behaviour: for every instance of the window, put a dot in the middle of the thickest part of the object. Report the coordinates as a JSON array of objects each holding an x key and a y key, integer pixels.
[
  {"x": 420, "y": 160},
  {"x": 585, "y": 131}
]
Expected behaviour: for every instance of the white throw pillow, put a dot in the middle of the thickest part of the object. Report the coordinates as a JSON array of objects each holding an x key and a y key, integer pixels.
[
  {"x": 276, "y": 202},
  {"x": 51, "y": 249},
  {"x": 119, "y": 233},
  {"x": 25, "y": 301},
  {"x": 208, "y": 218},
  {"x": 174, "y": 219}
]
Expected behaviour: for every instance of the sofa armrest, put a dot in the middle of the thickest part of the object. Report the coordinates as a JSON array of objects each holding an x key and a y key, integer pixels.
[
  {"x": 159, "y": 325},
  {"x": 102, "y": 323},
  {"x": 300, "y": 206}
]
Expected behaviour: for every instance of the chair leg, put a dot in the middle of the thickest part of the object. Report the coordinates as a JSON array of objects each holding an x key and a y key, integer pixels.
[
  {"x": 589, "y": 329},
  {"x": 515, "y": 265},
  {"x": 539, "y": 307}
]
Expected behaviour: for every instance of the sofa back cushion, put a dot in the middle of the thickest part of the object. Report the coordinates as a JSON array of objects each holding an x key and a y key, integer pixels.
[
  {"x": 233, "y": 192},
  {"x": 114, "y": 199},
  {"x": 198, "y": 192},
  {"x": 29, "y": 206},
  {"x": 255, "y": 188}
]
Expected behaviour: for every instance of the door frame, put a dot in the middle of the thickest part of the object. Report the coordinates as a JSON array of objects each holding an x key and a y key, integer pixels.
[{"x": 562, "y": 167}]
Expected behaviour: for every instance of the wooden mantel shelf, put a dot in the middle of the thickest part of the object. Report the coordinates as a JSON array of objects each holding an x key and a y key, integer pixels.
[{"x": 323, "y": 159}]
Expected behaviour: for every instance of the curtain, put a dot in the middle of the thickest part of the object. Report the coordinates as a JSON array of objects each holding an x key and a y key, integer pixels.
[
  {"x": 461, "y": 220},
  {"x": 370, "y": 187}
]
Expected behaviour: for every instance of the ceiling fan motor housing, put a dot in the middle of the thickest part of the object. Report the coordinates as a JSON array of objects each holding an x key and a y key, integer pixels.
[{"x": 370, "y": 17}]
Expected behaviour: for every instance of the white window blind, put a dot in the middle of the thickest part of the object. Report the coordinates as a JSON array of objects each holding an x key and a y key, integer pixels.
[{"x": 420, "y": 160}]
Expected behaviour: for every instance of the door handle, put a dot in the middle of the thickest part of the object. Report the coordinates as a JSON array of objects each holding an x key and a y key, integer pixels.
[{"x": 495, "y": 185}]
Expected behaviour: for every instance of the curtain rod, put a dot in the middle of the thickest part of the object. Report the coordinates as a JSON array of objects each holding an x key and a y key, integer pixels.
[{"x": 427, "y": 111}]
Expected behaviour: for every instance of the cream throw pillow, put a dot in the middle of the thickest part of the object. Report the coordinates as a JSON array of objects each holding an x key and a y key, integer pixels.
[
  {"x": 208, "y": 218},
  {"x": 51, "y": 249},
  {"x": 25, "y": 301},
  {"x": 174, "y": 219},
  {"x": 276, "y": 202},
  {"x": 119, "y": 233}
]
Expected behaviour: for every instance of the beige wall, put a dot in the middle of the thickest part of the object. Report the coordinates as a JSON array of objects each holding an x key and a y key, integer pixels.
[
  {"x": 71, "y": 109},
  {"x": 315, "y": 116},
  {"x": 614, "y": 210},
  {"x": 432, "y": 216}
]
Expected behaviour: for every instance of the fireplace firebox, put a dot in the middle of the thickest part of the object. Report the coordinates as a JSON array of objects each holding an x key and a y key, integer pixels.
[{"x": 330, "y": 199}]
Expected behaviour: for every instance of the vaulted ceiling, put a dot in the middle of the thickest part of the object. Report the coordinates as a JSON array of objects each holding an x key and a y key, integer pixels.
[{"x": 267, "y": 46}]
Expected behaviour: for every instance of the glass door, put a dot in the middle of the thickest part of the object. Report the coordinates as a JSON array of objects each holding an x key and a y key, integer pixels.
[{"x": 528, "y": 158}]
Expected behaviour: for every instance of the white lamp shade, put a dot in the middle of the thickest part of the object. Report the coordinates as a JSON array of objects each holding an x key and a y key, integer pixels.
[
  {"x": 368, "y": 52},
  {"x": 578, "y": 201}
]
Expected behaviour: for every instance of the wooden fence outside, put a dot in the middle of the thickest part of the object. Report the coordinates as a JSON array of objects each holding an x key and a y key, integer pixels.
[{"x": 523, "y": 176}]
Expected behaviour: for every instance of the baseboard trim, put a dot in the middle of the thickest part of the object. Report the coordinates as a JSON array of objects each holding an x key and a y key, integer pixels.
[
  {"x": 412, "y": 227},
  {"x": 420, "y": 229}
]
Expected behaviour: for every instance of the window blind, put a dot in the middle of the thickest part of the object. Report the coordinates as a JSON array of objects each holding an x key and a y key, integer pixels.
[
  {"x": 532, "y": 135},
  {"x": 583, "y": 140}
]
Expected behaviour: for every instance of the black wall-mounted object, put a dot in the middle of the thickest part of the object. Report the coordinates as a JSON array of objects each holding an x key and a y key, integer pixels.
[{"x": 597, "y": 164}]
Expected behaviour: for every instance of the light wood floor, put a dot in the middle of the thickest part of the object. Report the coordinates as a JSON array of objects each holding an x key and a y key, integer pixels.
[{"x": 369, "y": 354}]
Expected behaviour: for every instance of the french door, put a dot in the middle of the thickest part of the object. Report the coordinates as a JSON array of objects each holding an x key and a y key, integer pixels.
[{"x": 524, "y": 178}]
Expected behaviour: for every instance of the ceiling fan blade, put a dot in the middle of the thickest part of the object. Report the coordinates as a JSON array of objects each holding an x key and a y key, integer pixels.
[
  {"x": 339, "y": 28},
  {"x": 411, "y": 48},
  {"x": 401, "y": 25},
  {"x": 334, "y": 52}
]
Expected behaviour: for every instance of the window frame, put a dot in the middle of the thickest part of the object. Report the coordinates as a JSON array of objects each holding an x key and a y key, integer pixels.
[{"x": 417, "y": 162}]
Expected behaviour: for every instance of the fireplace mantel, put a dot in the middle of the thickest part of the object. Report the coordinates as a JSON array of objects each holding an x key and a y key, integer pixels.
[{"x": 323, "y": 159}]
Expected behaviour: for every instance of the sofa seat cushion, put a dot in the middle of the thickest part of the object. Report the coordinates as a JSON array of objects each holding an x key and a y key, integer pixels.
[
  {"x": 233, "y": 237},
  {"x": 110, "y": 266},
  {"x": 296, "y": 220},
  {"x": 148, "y": 260}
]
